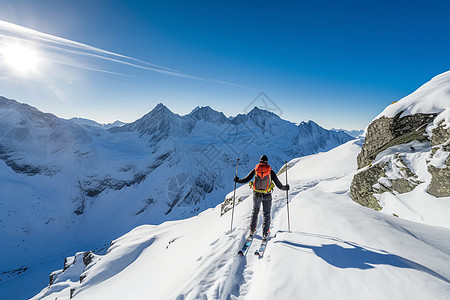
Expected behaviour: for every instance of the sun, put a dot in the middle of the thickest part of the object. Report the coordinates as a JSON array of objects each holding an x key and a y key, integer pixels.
[{"x": 22, "y": 60}]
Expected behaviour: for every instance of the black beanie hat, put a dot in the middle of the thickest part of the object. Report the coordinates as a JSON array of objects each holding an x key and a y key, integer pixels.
[{"x": 264, "y": 159}]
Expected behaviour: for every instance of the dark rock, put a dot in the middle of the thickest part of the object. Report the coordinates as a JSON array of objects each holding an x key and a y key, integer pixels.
[
  {"x": 52, "y": 278},
  {"x": 440, "y": 177},
  {"x": 386, "y": 132},
  {"x": 440, "y": 135},
  {"x": 67, "y": 263},
  {"x": 361, "y": 189},
  {"x": 87, "y": 258},
  {"x": 440, "y": 181},
  {"x": 366, "y": 182},
  {"x": 82, "y": 277}
]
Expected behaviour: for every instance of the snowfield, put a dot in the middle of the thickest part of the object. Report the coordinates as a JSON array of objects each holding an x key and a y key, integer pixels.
[{"x": 336, "y": 249}]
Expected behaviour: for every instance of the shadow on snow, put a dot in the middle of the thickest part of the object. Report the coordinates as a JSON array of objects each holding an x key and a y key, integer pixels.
[{"x": 357, "y": 256}]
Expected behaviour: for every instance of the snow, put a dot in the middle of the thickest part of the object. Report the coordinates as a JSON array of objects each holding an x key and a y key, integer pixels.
[
  {"x": 336, "y": 249},
  {"x": 439, "y": 158},
  {"x": 432, "y": 97}
]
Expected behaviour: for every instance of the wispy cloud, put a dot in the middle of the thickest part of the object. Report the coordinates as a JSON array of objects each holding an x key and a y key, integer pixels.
[{"x": 64, "y": 51}]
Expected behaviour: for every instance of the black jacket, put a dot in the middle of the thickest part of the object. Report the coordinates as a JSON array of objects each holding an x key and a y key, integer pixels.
[{"x": 273, "y": 176}]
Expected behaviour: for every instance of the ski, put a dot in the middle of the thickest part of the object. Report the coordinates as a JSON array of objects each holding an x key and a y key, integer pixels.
[
  {"x": 246, "y": 246},
  {"x": 262, "y": 247}
]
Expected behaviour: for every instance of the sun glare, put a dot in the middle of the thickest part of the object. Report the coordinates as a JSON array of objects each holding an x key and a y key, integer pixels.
[{"x": 21, "y": 59}]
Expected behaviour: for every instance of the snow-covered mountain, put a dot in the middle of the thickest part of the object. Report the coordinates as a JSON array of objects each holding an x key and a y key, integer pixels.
[
  {"x": 336, "y": 249},
  {"x": 353, "y": 133},
  {"x": 67, "y": 184},
  {"x": 87, "y": 122}
]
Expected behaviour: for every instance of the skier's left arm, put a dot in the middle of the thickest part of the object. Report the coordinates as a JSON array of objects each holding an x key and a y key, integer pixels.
[
  {"x": 277, "y": 182},
  {"x": 246, "y": 178}
]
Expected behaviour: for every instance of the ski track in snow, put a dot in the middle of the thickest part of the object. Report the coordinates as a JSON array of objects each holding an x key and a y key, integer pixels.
[
  {"x": 241, "y": 271},
  {"x": 247, "y": 269}
]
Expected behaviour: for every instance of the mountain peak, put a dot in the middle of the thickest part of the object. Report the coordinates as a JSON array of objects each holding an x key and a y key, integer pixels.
[
  {"x": 160, "y": 107},
  {"x": 158, "y": 119},
  {"x": 160, "y": 111},
  {"x": 258, "y": 116},
  {"x": 309, "y": 123},
  {"x": 201, "y": 109},
  {"x": 207, "y": 114},
  {"x": 256, "y": 111}
]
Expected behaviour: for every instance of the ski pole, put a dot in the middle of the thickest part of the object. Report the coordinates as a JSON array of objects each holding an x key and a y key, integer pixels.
[
  {"x": 234, "y": 197},
  {"x": 287, "y": 199}
]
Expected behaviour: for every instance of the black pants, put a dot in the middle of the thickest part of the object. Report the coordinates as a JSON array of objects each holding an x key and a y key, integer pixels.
[{"x": 266, "y": 200}]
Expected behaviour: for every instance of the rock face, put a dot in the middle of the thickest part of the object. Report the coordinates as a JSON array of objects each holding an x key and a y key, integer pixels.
[
  {"x": 373, "y": 179},
  {"x": 411, "y": 136},
  {"x": 387, "y": 132},
  {"x": 440, "y": 175},
  {"x": 362, "y": 189}
]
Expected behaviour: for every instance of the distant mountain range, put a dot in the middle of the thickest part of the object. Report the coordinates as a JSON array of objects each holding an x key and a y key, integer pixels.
[
  {"x": 203, "y": 144},
  {"x": 353, "y": 133},
  {"x": 87, "y": 122}
]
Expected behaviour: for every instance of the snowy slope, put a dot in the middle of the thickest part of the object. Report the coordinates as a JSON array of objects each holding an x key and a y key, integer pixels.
[{"x": 336, "y": 250}]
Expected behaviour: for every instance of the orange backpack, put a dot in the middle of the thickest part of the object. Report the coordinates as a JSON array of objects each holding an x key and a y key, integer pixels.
[{"x": 263, "y": 181}]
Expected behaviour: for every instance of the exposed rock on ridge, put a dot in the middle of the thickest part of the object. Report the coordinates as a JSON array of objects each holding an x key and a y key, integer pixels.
[
  {"x": 409, "y": 137},
  {"x": 387, "y": 132}
]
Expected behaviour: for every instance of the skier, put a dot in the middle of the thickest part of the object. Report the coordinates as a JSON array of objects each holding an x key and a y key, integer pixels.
[{"x": 263, "y": 185}]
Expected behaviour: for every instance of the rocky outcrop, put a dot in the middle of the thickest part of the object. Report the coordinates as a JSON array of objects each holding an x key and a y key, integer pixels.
[
  {"x": 440, "y": 180},
  {"x": 373, "y": 179},
  {"x": 362, "y": 189},
  {"x": 386, "y": 132},
  {"x": 440, "y": 175},
  {"x": 79, "y": 262},
  {"x": 227, "y": 205}
]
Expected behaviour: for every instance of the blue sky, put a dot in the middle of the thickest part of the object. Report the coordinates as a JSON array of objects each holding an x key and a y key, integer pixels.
[{"x": 338, "y": 63}]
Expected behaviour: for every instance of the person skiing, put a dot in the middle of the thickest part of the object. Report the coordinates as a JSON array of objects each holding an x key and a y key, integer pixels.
[{"x": 264, "y": 179}]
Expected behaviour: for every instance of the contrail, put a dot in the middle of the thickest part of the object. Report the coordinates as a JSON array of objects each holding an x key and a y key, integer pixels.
[
  {"x": 58, "y": 44},
  {"x": 47, "y": 38}
]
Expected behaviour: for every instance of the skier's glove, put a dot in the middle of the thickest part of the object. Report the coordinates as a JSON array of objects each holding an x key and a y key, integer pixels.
[
  {"x": 236, "y": 179},
  {"x": 286, "y": 187}
]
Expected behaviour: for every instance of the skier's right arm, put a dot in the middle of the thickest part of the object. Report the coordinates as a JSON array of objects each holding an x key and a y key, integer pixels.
[{"x": 246, "y": 178}]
